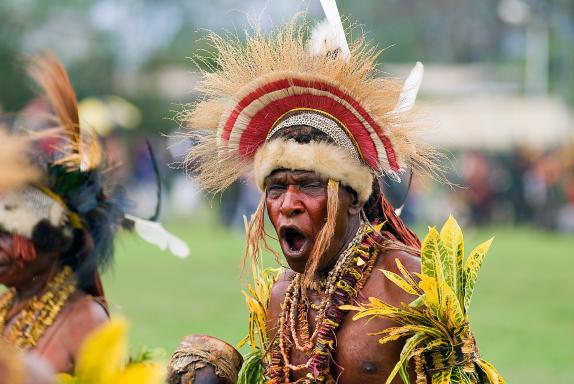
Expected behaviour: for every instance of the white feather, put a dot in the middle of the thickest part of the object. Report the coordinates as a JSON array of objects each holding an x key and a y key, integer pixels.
[
  {"x": 332, "y": 38},
  {"x": 154, "y": 233},
  {"x": 410, "y": 89}
]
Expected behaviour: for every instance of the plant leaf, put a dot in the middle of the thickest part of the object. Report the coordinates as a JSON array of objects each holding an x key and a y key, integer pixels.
[
  {"x": 491, "y": 372},
  {"x": 429, "y": 286},
  {"x": 452, "y": 308},
  {"x": 471, "y": 269},
  {"x": 453, "y": 241},
  {"x": 428, "y": 248},
  {"x": 432, "y": 256},
  {"x": 399, "y": 282},
  {"x": 406, "y": 353},
  {"x": 441, "y": 377},
  {"x": 418, "y": 301},
  {"x": 408, "y": 276},
  {"x": 103, "y": 354},
  {"x": 252, "y": 369},
  {"x": 148, "y": 373},
  {"x": 66, "y": 378}
]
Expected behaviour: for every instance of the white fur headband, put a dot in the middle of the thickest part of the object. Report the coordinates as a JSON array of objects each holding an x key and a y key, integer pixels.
[{"x": 325, "y": 159}]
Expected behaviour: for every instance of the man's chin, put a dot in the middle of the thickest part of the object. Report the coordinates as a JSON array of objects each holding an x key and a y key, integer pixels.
[{"x": 296, "y": 261}]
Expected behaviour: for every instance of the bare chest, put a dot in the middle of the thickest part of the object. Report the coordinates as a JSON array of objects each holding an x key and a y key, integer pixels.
[{"x": 358, "y": 357}]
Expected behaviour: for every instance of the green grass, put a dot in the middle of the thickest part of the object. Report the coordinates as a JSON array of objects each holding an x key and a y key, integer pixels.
[{"x": 522, "y": 313}]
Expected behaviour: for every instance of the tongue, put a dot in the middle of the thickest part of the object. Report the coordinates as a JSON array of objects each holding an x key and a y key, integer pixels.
[{"x": 297, "y": 242}]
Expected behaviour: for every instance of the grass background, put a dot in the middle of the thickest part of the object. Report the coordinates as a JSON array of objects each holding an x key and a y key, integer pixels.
[{"x": 522, "y": 312}]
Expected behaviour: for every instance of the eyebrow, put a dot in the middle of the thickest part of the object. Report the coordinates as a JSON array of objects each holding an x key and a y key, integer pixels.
[{"x": 296, "y": 175}]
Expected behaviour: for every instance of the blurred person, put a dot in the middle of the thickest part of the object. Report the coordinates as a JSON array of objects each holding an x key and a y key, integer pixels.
[
  {"x": 57, "y": 228},
  {"x": 23, "y": 368},
  {"x": 475, "y": 170},
  {"x": 318, "y": 129},
  {"x": 247, "y": 200},
  {"x": 565, "y": 217}
]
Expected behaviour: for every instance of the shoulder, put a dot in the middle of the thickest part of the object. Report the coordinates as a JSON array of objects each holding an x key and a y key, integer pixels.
[
  {"x": 378, "y": 285},
  {"x": 389, "y": 257},
  {"x": 84, "y": 314},
  {"x": 280, "y": 287}
]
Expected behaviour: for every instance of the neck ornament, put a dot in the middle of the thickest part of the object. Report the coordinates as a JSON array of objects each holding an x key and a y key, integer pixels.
[
  {"x": 343, "y": 284},
  {"x": 39, "y": 313}
]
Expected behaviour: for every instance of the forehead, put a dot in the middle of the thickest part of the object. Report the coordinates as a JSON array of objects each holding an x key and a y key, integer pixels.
[{"x": 295, "y": 175}]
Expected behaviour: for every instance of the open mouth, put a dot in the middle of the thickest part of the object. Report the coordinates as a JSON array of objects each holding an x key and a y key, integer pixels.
[{"x": 292, "y": 240}]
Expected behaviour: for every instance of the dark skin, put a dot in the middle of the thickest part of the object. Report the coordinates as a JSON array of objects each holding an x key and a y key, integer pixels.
[
  {"x": 60, "y": 344},
  {"x": 298, "y": 200}
]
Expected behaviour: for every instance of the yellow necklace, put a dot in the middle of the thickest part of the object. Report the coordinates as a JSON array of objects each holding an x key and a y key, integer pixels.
[{"x": 39, "y": 313}]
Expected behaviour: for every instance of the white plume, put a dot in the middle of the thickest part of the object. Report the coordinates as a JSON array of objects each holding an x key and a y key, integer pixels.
[
  {"x": 329, "y": 36},
  {"x": 154, "y": 233},
  {"x": 410, "y": 89}
]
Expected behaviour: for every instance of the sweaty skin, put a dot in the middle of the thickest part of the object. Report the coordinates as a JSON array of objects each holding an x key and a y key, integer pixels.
[
  {"x": 299, "y": 199},
  {"x": 60, "y": 344}
]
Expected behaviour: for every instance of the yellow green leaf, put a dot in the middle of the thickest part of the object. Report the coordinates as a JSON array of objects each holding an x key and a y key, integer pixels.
[
  {"x": 349, "y": 307},
  {"x": 430, "y": 288},
  {"x": 452, "y": 309},
  {"x": 418, "y": 301},
  {"x": 399, "y": 282},
  {"x": 441, "y": 377},
  {"x": 65, "y": 378},
  {"x": 428, "y": 249},
  {"x": 471, "y": 269},
  {"x": 458, "y": 375},
  {"x": 376, "y": 310},
  {"x": 433, "y": 256},
  {"x": 103, "y": 354},
  {"x": 407, "y": 276},
  {"x": 256, "y": 300},
  {"x": 407, "y": 352},
  {"x": 141, "y": 374},
  {"x": 491, "y": 372},
  {"x": 453, "y": 242}
]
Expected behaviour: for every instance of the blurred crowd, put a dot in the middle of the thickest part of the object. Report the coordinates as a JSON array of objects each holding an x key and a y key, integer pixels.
[{"x": 519, "y": 187}]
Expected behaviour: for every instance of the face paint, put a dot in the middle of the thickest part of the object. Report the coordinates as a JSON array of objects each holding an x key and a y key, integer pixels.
[{"x": 21, "y": 211}]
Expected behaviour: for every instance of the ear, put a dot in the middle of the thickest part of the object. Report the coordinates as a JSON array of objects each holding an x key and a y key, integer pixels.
[{"x": 355, "y": 205}]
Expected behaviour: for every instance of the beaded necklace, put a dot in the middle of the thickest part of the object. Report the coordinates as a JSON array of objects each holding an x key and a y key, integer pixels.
[
  {"x": 343, "y": 284},
  {"x": 39, "y": 313}
]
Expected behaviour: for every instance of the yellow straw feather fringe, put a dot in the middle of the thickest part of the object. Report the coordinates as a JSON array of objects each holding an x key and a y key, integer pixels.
[
  {"x": 15, "y": 168},
  {"x": 324, "y": 237}
]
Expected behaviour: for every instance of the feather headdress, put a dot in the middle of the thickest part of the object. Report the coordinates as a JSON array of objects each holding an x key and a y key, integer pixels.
[{"x": 259, "y": 84}]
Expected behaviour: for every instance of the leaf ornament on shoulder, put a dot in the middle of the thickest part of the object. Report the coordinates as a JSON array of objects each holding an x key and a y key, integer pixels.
[{"x": 435, "y": 323}]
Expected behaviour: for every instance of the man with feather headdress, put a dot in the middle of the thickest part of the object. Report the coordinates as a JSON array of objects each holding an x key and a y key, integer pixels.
[
  {"x": 319, "y": 130},
  {"x": 58, "y": 220}
]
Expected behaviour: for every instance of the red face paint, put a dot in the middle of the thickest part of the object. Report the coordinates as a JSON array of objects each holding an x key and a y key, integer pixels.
[{"x": 17, "y": 259}]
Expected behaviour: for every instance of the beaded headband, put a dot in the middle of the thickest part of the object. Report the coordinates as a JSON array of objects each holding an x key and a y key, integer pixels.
[{"x": 318, "y": 120}]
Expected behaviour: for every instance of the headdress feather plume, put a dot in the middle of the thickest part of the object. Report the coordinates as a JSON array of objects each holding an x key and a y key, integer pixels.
[
  {"x": 80, "y": 151},
  {"x": 331, "y": 33}
]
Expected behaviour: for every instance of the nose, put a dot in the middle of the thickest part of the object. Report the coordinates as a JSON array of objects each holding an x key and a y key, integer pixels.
[{"x": 292, "y": 204}]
